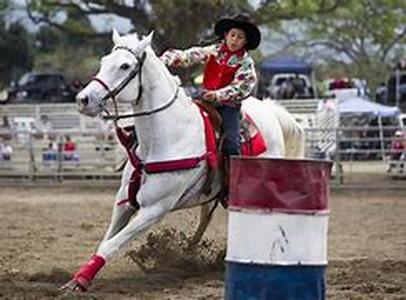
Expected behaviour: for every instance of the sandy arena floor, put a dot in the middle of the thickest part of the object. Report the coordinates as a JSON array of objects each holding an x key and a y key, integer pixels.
[{"x": 47, "y": 233}]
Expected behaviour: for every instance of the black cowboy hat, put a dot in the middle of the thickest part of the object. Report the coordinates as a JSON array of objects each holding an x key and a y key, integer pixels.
[{"x": 242, "y": 22}]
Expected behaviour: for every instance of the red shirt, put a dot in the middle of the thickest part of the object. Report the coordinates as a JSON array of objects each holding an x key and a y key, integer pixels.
[
  {"x": 220, "y": 65},
  {"x": 218, "y": 72},
  {"x": 397, "y": 149},
  {"x": 69, "y": 147}
]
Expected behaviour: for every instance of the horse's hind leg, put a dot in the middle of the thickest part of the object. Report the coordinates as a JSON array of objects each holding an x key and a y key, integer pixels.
[{"x": 206, "y": 213}]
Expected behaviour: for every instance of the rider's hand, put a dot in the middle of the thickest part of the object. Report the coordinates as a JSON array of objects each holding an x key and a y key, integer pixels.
[
  {"x": 209, "y": 96},
  {"x": 171, "y": 59}
]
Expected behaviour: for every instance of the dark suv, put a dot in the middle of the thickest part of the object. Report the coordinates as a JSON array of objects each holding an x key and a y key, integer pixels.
[{"x": 41, "y": 87}]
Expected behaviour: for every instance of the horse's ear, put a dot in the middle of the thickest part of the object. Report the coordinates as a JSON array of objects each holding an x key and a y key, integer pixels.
[
  {"x": 146, "y": 41},
  {"x": 149, "y": 37},
  {"x": 116, "y": 36}
]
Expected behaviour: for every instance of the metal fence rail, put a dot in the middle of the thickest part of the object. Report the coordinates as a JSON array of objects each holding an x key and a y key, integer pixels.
[{"x": 361, "y": 156}]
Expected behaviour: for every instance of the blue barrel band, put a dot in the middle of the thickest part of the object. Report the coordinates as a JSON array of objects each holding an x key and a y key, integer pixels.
[{"x": 255, "y": 282}]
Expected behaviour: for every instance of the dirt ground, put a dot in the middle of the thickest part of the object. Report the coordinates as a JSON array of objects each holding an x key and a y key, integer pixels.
[{"x": 47, "y": 233}]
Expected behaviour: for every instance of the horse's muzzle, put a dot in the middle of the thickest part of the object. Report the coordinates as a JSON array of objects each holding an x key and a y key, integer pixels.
[{"x": 83, "y": 101}]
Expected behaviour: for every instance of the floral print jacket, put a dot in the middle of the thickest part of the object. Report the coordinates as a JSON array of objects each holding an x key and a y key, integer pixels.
[{"x": 245, "y": 77}]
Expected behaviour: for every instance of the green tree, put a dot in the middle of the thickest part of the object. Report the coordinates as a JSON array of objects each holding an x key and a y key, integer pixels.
[
  {"x": 176, "y": 22},
  {"x": 366, "y": 35},
  {"x": 69, "y": 47},
  {"x": 179, "y": 22},
  {"x": 272, "y": 12},
  {"x": 15, "y": 51}
]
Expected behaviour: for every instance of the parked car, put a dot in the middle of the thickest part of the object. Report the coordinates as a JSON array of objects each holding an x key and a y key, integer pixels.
[
  {"x": 278, "y": 83},
  {"x": 40, "y": 87},
  {"x": 285, "y": 77}
]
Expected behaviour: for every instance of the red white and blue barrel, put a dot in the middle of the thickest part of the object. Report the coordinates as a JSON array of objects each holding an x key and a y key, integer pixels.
[{"x": 277, "y": 230}]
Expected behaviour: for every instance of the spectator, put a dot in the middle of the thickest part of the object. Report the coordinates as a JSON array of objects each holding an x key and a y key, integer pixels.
[
  {"x": 286, "y": 90},
  {"x": 51, "y": 152},
  {"x": 298, "y": 86},
  {"x": 401, "y": 65},
  {"x": 398, "y": 146},
  {"x": 5, "y": 129},
  {"x": 69, "y": 149},
  {"x": 44, "y": 126},
  {"x": 6, "y": 151},
  {"x": 398, "y": 150},
  {"x": 5, "y": 122}
]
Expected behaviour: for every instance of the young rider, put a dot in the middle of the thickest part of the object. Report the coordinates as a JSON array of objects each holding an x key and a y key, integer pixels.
[{"x": 229, "y": 73}]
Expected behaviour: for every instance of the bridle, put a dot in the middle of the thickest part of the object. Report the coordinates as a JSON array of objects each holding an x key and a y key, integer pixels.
[{"x": 112, "y": 93}]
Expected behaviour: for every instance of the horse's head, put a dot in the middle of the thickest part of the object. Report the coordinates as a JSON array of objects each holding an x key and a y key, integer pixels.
[{"x": 117, "y": 76}]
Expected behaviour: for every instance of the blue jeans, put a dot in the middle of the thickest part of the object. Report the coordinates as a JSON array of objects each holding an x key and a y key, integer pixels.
[{"x": 231, "y": 128}]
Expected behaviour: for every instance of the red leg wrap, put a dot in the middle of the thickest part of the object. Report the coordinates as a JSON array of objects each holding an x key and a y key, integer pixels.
[{"x": 88, "y": 271}]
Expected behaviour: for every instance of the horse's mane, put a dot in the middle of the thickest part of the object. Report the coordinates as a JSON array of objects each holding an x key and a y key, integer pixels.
[
  {"x": 177, "y": 80},
  {"x": 174, "y": 77}
]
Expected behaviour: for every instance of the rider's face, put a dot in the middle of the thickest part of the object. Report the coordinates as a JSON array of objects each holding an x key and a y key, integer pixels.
[{"x": 235, "y": 39}]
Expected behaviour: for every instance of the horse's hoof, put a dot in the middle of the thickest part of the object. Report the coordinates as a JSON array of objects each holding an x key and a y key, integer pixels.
[{"x": 75, "y": 285}]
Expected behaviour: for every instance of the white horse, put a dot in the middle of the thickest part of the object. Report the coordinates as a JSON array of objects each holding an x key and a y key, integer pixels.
[{"x": 169, "y": 127}]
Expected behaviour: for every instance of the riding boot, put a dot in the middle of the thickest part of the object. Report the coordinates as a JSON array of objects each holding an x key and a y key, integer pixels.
[{"x": 231, "y": 130}]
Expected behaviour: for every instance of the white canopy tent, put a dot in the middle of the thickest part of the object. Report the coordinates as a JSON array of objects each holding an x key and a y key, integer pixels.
[{"x": 350, "y": 105}]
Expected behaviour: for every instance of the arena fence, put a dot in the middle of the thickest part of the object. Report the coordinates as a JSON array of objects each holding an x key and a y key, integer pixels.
[
  {"x": 41, "y": 157},
  {"x": 361, "y": 155}
]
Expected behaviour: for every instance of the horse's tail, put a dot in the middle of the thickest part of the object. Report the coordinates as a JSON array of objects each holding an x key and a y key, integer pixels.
[{"x": 293, "y": 132}]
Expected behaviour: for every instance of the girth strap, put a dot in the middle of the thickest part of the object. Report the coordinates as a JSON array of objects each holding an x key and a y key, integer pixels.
[
  {"x": 174, "y": 165},
  {"x": 156, "y": 167}
]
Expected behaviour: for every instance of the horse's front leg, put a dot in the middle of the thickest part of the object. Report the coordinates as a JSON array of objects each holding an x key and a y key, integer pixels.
[
  {"x": 123, "y": 210},
  {"x": 145, "y": 217}
]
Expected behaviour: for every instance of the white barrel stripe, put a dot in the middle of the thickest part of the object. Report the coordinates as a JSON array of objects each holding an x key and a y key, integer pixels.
[{"x": 277, "y": 238}]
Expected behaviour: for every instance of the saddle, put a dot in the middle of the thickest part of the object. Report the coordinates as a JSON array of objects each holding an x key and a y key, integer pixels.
[
  {"x": 252, "y": 144},
  {"x": 252, "y": 141}
]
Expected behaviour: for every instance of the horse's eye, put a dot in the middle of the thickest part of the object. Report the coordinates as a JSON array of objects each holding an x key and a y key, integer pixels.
[{"x": 124, "y": 67}]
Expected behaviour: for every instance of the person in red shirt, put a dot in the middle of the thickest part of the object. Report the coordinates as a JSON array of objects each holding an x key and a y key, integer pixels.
[
  {"x": 69, "y": 149},
  {"x": 397, "y": 151},
  {"x": 229, "y": 76},
  {"x": 229, "y": 73},
  {"x": 398, "y": 146}
]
